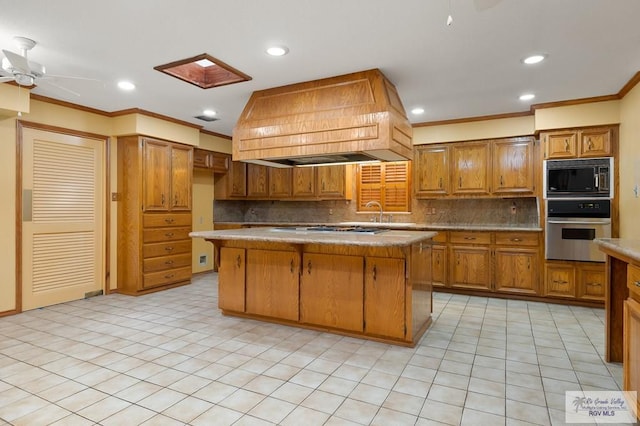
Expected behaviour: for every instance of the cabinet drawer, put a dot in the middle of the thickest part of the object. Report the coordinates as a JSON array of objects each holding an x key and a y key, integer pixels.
[
  {"x": 153, "y": 235},
  {"x": 633, "y": 281},
  {"x": 156, "y": 279},
  {"x": 517, "y": 238},
  {"x": 458, "y": 237},
  {"x": 160, "y": 220},
  {"x": 441, "y": 237},
  {"x": 155, "y": 264},
  {"x": 165, "y": 249}
]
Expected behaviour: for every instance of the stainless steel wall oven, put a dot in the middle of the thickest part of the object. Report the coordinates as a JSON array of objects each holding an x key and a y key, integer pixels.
[{"x": 571, "y": 227}]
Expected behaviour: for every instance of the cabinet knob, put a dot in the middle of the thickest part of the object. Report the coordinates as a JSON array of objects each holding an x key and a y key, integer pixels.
[
  {"x": 501, "y": 181},
  {"x": 238, "y": 261},
  {"x": 637, "y": 283},
  {"x": 309, "y": 267},
  {"x": 589, "y": 144}
]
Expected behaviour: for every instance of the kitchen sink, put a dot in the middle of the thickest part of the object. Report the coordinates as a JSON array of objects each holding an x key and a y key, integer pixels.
[
  {"x": 388, "y": 225},
  {"x": 331, "y": 228}
]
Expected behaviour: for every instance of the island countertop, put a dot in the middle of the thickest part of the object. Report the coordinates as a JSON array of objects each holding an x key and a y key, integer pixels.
[
  {"x": 299, "y": 235},
  {"x": 626, "y": 247}
]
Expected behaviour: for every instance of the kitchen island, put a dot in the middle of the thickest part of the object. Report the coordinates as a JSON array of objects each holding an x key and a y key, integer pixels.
[{"x": 374, "y": 284}]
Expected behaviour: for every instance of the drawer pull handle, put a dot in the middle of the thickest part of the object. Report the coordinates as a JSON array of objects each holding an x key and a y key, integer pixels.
[
  {"x": 168, "y": 248},
  {"x": 169, "y": 276},
  {"x": 375, "y": 272},
  {"x": 169, "y": 262},
  {"x": 440, "y": 183},
  {"x": 561, "y": 282},
  {"x": 594, "y": 284},
  {"x": 516, "y": 240},
  {"x": 637, "y": 283},
  {"x": 291, "y": 266},
  {"x": 169, "y": 220},
  {"x": 309, "y": 267},
  {"x": 238, "y": 261},
  {"x": 169, "y": 234},
  {"x": 470, "y": 238},
  {"x": 566, "y": 145}
]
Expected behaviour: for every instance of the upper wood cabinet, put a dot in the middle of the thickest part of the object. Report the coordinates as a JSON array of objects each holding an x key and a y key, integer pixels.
[
  {"x": 471, "y": 168},
  {"x": 233, "y": 184},
  {"x": 280, "y": 182},
  {"x": 431, "y": 175},
  {"x": 257, "y": 181},
  {"x": 513, "y": 169},
  {"x": 167, "y": 169},
  {"x": 579, "y": 143},
  {"x": 303, "y": 182},
  {"x": 334, "y": 182},
  {"x": 210, "y": 160}
]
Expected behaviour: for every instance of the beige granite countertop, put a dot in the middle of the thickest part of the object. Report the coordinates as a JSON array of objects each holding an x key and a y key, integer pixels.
[
  {"x": 299, "y": 235},
  {"x": 406, "y": 225},
  {"x": 627, "y": 247}
]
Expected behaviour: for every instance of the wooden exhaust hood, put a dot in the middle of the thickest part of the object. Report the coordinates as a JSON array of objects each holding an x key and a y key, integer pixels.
[{"x": 353, "y": 117}]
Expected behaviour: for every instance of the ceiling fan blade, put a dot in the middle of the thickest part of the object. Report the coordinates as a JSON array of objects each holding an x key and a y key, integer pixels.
[
  {"x": 19, "y": 63},
  {"x": 3, "y": 79},
  {"x": 62, "y": 88},
  {"x": 71, "y": 77},
  {"x": 485, "y": 4}
]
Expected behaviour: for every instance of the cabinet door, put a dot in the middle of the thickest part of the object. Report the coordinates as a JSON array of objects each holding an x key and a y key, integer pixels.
[
  {"x": 595, "y": 143},
  {"x": 273, "y": 291},
  {"x": 439, "y": 266},
  {"x": 181, "y": 172},
  {"x": 591, "y": 282},
  {"x": 515, "y": 270},
  {"x": 384, "y": 297},
  {"x": 331, "y": 291},
  {"x": 231, "y": 279},
  {"x": 471, "y": 168},
  {"x": 237, "y": 184},
  {"x": 257, "y": 181},
  {"x": 513, "y": 166},
  {"x": 304, "y": 182},
  {"x": 431, "y": 171},
  {"x": 156, "y": 175},
  {"x": 631, "y": 348},
  {"x": 279, "y": 183},
  {"x": 219, "y": 162},
  {"x": 560, "y": 280},
  {"x": 201, "y": 159},
  {"x": 332, "y": 182},
  {"x": 560, "y": 144},
  {"x": 470, "y": 267}
]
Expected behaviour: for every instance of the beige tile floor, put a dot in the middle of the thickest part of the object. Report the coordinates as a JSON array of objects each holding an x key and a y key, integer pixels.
[{"x": 171, "y": 358}]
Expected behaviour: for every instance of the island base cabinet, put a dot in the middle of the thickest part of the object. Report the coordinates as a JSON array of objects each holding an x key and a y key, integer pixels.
[
  {"x": 384, "y": 297},
  {"x": 331, "y": 291},
  {"x": 631, "y": 348},
  {"x": 272, "y": 283},
  {"x": 231, "y": 279}
]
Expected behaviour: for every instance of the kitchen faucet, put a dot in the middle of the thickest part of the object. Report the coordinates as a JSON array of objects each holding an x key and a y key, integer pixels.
[{"x": 375, "y": 203}]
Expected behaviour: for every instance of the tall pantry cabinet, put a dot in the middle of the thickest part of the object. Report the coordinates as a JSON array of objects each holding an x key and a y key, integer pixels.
[{"x": 154, "y": 214}]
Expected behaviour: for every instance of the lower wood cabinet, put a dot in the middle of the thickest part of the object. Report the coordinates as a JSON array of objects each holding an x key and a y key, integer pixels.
[
  {"x": 330, "y": 284},
  {"x": 515, "y": 270},
  {"x": 439, "y": 265},
  {"x": 273, "y": 291},
  {"x": 384, "y": 297},
  {"x": 470, "y": 267},
  {"x": 631, "y": 348},
  {"x": 584, "y": 281},
  {"x": 231, "y": 279}
]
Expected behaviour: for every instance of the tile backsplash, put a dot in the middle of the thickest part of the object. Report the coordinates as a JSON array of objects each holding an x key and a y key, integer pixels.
[{"x": 501, "y": 211}]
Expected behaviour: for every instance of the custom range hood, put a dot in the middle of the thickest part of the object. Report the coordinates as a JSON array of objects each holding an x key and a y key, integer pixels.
[{"x": 349, "y": 118}]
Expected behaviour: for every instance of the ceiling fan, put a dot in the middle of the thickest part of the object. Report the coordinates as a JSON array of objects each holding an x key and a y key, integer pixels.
[{"x": 18, "y": 68}]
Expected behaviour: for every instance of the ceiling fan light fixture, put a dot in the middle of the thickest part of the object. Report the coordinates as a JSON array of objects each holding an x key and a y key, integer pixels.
[
  {"x": 534, "y": 59},
  {"x": 24, "y": 79}
]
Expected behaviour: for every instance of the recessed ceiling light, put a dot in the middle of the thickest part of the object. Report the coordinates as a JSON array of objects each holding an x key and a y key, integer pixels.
[
  {"x": 527, "y": 97},
  {"x": 209, "y": 113},
  {"x": 277, "y": 51},
  {"x": 417, "y": 111},
  {"x": 204, "y": 63},
  {"x": 126, "y": 85},
  {"x": 534, "y": 59}
]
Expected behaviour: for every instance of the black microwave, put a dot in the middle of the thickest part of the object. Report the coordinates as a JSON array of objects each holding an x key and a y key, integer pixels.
[{"x": 580, "y": 178}]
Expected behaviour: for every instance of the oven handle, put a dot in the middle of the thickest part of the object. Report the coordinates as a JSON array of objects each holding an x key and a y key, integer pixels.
[{"x": 579, "y": 222}]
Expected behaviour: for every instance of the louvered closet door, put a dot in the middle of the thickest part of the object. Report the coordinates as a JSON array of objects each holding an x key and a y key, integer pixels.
[{"x": 62, "y": 230}]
